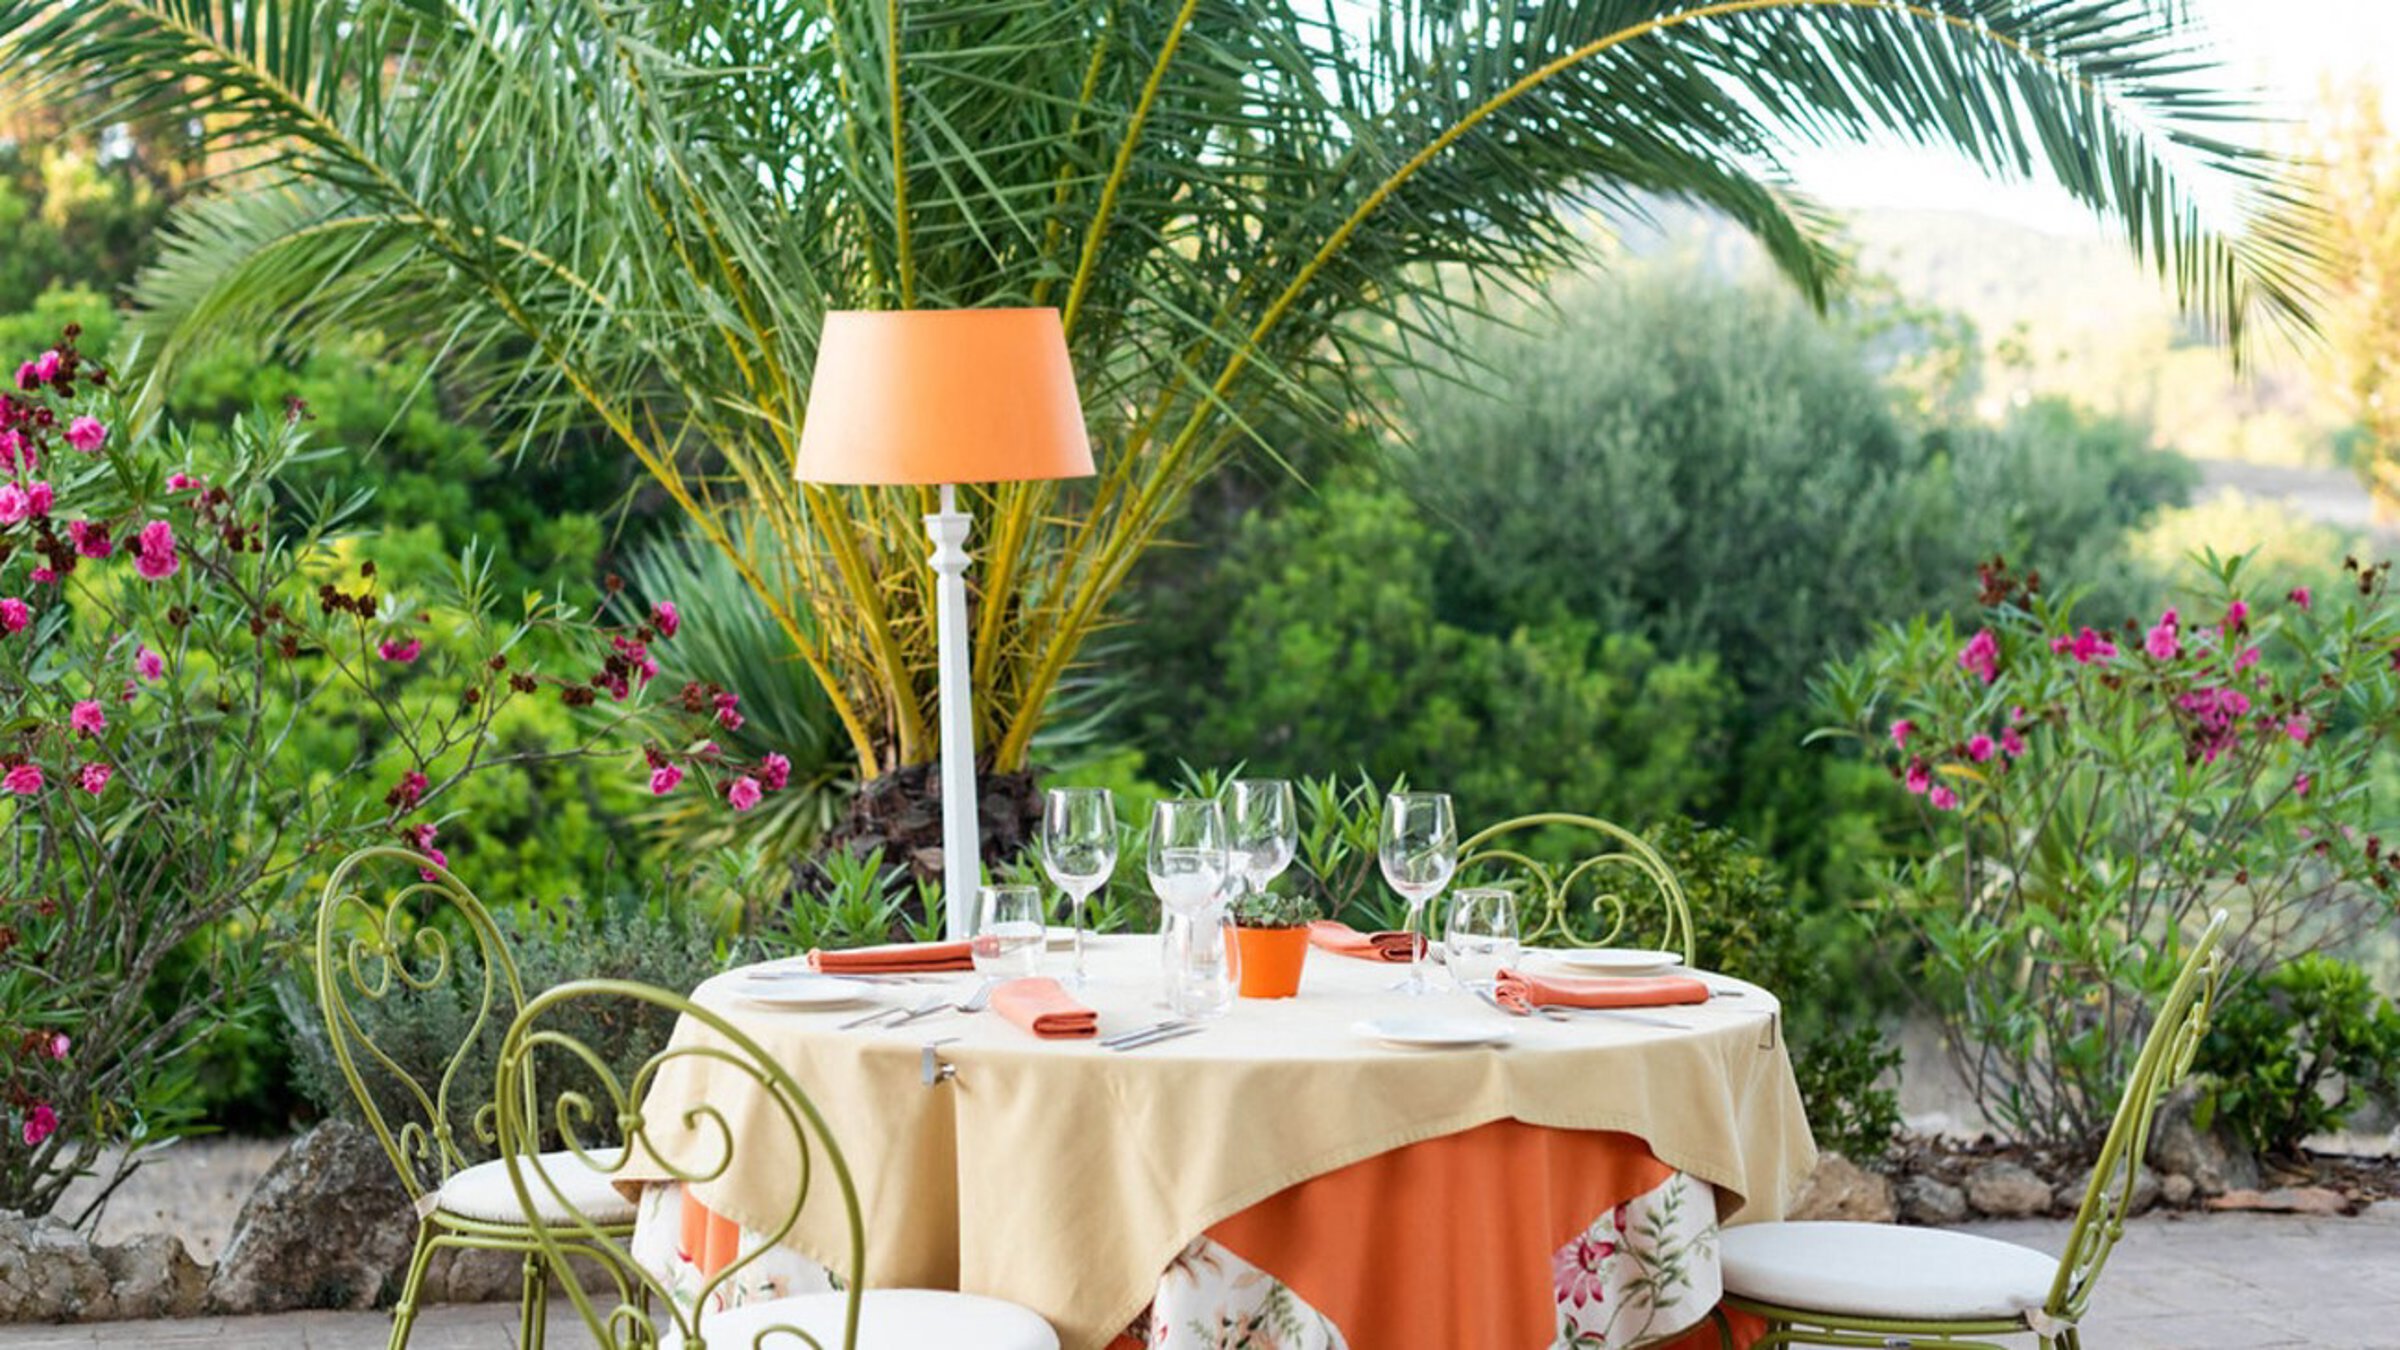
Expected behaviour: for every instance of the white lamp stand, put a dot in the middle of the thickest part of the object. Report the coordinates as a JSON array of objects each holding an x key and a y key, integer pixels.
[{"x": 962, "y": 846}]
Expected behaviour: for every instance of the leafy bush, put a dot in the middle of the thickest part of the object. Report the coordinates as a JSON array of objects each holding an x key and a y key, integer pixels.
[
  {"x": 1745, "y": 925},
  {"x": 2296, "y": 1051},
  {"x": 2088, "y": 797},
  {"x": 671, "y": 943}
]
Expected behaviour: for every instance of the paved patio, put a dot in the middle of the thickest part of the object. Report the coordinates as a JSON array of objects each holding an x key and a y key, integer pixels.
[{"x": 2217, "y": 1282}]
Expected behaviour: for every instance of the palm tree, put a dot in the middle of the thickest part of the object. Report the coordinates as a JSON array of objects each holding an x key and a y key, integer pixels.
[{"x": 634, "y": 215}]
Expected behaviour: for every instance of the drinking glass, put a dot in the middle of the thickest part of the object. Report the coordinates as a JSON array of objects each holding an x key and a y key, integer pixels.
[
  {"x": 1079, "y": 851},
  {"x": 1419, "y": 852},
  {"x": 1188, "y": 864},
  {"x": 1008, "y": 933},
  {"x": 1204, "y": 963},
  {"x": 1481, "y": 940},
  {"x": 1261, "y": 832}
]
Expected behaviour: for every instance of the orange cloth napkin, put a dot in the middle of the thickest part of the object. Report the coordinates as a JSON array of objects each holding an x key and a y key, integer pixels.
[
  {"x": 896, "y": 959},
  {"x": 1038, "y": 1004},
  {"x": 1524, "y": 992},
  {"x": 1342, "y": 939}
]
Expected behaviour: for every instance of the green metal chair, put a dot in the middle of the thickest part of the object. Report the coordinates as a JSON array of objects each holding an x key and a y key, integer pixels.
[
  {"x": 1875, "y": 1285},
  {"x": 601, "y": 1117},
  {"x": 1517, "y": 855},
  {"x": 421, "y": 937}
]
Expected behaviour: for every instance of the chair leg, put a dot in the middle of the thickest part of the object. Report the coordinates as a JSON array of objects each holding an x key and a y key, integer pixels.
[
  {"x": 533, "y": 1304},
  {"x": 404, "y": 1316}
]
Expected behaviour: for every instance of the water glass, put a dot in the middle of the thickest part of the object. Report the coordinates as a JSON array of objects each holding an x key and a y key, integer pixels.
[
  {"x": 1008, "y": 933},
  {"x": 1203, "y": 963},
  {"x": 1188, "y": 864},
  {"x": 1481, "y": 939}
]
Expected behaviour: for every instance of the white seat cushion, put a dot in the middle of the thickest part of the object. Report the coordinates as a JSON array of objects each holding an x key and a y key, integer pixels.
[
  {"x": 888, "y": 1319},
  {"x": 1876, "y": 1270},
  {"x": 483, "y": 1192}
]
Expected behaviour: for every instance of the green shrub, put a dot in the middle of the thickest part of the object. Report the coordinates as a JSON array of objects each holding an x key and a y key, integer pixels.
[{"x": 2297, "y": 1051}]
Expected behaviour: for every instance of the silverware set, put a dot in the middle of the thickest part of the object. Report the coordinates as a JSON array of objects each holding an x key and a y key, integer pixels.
[
  {"x": 887, "y": 1018},
  {"x": 1139, "y": 1037},
  {"x": 1556, "y": 1014}
]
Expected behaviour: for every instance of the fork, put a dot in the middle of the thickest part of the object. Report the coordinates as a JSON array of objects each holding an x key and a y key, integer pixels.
[
  {"x": 973, "y": 1003},
  {"x": 1547, "y": 1014},
  {"x": 904, "y": 1015},
  {"x": 1125, "y": 1038},
  {"x": 1123, "y": 1044}
]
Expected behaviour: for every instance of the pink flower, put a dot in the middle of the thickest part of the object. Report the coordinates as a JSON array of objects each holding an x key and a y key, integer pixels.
[
  {"x": 2215, "y": 728},
  {"x": 2086, "y": 647},
  {"x": 744, "y": 793},
  {"x": 27, "y": 379},
  {"x": 2300, "y": 597},
  {"x": 2246, "y": 658},
  {"x": 91, "y": 540},
  {"x": 1901, "y": 731},
  {"x": 1979, "y": 748},
  {"x": 665, "y": 618},
  {"x": 93, "y": 777},
  {"x": 39, "y": 497},
  {"x": 24, "y": 780},
  {"x": 664, "y": 778},
  {"x": 42, "y": 576},
  {"x": 2237, "y": 614},
  {"x": 45, "y": 366},
  {"x": 146, "y": 663},
  {"x": 1942, "y": 799},
  {"x": 1919, "y": 777},
  {"x": 1981, "y": 655},
  {"x": 421, "y": 837},
  {"x": 60, "y": 1045},
  {"x": 40, "y": 1123},
  {"x": 14, "y": 504},
  {"x": 86, "y": 434},
  {"x": 1578, "y": 1270},
  {"x": 2298, "y": 728},
  {"x": 15, "y": 614},
  {"x": 2161, "y": 642},
  {"x": 154, "y": 552},
  {"x": 180, "y": 481},
  {"x": 397, "y": 652},
  {"x": 88, "y": 718},
  {"x": 2301, "y": 783},
  {"x": 12, "y": 445},
  {"x": 728, "y": 711},
  {"x": 775, "y": 770},
  {"x": 2011, "y": 744},
  {"x": 408, "y": 792}
]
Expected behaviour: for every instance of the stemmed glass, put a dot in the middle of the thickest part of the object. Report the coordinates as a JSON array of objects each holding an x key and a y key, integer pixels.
[
  {"x": 1262, "y": 834},
  {"x": 1419, "y": 852},
  {"x": 1079, "y": 851},
  {"x": 1188, "y": 863}
]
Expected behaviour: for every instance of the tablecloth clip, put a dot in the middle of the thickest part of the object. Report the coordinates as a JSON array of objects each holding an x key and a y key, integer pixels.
[
  {"x": 1767, "y": 1034},
  {"x": 931, "y": 1069}
]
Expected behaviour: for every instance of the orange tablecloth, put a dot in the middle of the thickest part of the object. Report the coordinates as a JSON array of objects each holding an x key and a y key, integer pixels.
[{"x": 1503, "y": 1237}]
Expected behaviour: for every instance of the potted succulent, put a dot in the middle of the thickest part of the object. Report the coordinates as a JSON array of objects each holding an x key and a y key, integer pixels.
[{"x": 1272, "y": 931}]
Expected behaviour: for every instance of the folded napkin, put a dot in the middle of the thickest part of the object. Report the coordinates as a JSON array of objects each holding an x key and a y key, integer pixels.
[
  {"x": 1342, "y": 939},
  {"x": 1039, "y": 1005},
  {"x": 1526, "y": 992},
  {"x": 895, "y": 959}
]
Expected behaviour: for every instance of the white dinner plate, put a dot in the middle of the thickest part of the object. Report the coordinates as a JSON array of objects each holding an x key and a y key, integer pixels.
[
  {"x": 1433, "y": 1032},
  {"x": 804, "y": 991},
  {"x": 1618, "y": 960}
]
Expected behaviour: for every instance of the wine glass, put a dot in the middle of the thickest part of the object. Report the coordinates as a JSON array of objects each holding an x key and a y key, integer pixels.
[
  {"x": 1008, "y": 933},
  {"x": 1419, "y": 852},
  {"x": 1260, "y": 829},
  {"x": 1480, "y": 940},
  {"x": 1188, "y": 863},
  {"x": 1079, "y": 851}
]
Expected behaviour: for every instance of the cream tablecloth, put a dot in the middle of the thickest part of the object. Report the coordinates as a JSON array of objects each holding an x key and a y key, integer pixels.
[{"x": 1064, "y": 1177}]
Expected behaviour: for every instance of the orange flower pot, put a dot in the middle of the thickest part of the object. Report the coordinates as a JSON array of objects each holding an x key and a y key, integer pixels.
[{"x": 1271, "y": 960}]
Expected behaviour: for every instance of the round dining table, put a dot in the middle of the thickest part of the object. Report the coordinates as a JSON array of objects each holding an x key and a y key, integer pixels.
[{"x": 1281, "y": 1178}]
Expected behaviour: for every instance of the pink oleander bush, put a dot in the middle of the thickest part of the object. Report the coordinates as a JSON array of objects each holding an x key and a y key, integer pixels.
[
  {"x": 2090, "y": 790},
  {"x": 169, "y": 629}
]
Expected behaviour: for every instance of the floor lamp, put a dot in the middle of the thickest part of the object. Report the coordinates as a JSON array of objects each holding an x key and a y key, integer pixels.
[{"x": 940, "y": 397}]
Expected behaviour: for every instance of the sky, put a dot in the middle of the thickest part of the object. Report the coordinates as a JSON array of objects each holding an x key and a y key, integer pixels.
[{"x": 2288, "y": 48}]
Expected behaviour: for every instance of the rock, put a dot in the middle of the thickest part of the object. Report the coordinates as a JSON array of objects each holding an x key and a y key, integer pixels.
[
  {"x": 467, "y": 1275},
  {"x": 2212, "y": 1158},
  {"x": 154, "y": 1276},
  {"x": 2006, "y": 1190},
  {"x": 2176, "y": 1190},
  {"x": 1841, "y": 1189},
  {"x": 1934, "y": 1204},
  {"x": 2288, "y": 1200},
  {"x": 328, "y": 1227},
  {"x": 49, "y": 1273},
  {"x": 2146, "y": 1190}
]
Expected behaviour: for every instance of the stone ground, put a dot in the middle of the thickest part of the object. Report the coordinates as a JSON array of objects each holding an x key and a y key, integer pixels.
[{"x": 2206, "y": 1282}]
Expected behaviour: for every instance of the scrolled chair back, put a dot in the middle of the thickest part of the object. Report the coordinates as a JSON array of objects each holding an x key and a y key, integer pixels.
[
  {"x": 2166, "y": 1058},
  {"x": 416, "y": 939},
  {"x": 1581, "y": 881},
  {"x": 549, "y": 1077}
]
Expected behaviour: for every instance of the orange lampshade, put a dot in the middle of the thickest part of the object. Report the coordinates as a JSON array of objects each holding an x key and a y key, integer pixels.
[{"x": 943, "y": 396}]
